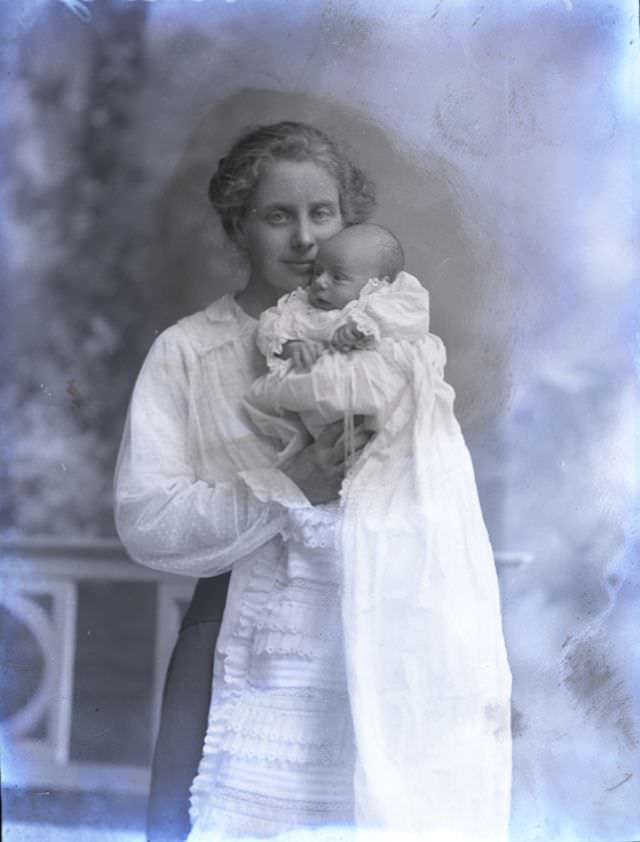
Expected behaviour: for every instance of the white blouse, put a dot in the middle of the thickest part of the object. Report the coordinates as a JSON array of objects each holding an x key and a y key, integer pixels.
[{"x": 195, "y": 493}]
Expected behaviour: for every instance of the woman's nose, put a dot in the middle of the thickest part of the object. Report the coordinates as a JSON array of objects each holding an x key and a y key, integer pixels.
[{"x": 303, "y": 238}]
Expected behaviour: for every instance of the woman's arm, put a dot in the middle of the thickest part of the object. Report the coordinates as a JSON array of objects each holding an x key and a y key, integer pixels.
[
  {"x": 167, "y": 517},
  {"x": 170, "y": 520}
]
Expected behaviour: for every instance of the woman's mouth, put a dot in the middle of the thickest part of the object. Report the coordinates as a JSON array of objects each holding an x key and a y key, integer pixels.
[{"x": 301, "y": 267}]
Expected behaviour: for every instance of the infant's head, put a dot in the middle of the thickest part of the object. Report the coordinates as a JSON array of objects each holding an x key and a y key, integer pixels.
[{"x": 346, "y": 261}]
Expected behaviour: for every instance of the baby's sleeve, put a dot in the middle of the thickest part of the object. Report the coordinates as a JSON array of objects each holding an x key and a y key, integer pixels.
[
  {"x": 277, "y": 326},
  {"x": 366, "y": 325},
  {"x": 398, "y": 311},
  {"x": 364, "y": 382}
]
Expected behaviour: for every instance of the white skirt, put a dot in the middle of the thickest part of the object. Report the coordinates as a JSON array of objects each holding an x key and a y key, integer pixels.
[{"x": 279, "y": 750}]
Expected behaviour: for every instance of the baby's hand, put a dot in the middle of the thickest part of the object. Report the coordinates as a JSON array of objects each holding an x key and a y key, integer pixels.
[
  {"x": 302, "y": 353},
  {"x": 348, "y": 337}
]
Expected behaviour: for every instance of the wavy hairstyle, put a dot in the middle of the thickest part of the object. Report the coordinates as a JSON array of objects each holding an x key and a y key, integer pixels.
[{"x": 234, "y": 182}]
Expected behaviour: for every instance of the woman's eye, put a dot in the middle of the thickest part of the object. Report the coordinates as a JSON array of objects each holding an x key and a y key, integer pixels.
[
  {"x": 277, "y": 217},
  {"x": 321, "y": 214}
]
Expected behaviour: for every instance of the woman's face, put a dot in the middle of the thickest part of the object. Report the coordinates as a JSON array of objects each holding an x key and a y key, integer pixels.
[{"x": 295, "y": 206}]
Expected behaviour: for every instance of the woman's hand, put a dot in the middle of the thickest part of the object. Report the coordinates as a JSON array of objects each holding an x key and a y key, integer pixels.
[{"x": 319, "y": 469}]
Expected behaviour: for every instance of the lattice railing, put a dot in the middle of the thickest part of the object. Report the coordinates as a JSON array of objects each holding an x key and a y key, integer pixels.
[
  {"x": 43, "y": 595},
  {"x": 86, "y": 637}
]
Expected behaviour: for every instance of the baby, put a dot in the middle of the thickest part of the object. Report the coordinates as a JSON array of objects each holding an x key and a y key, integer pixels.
[
  {"x": 345, "y": 265},
  {"x": 359, "y": 299}
]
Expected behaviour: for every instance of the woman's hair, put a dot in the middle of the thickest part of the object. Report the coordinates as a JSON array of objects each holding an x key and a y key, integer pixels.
[{"x": 234, "y": 182}]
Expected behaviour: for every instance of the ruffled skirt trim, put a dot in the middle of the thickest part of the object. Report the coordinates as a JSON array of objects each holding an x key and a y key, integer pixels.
[
  {"x": 228, "y": 685},
  {"x": 237, "y": 814},
  {"x": 294, "y": 628}
]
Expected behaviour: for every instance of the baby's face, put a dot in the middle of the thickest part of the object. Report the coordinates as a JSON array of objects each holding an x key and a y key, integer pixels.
[{"x": 340, "y": 271}]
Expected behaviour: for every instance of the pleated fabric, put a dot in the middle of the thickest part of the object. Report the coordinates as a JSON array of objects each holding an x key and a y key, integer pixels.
[{"x": 279, "y": 750}]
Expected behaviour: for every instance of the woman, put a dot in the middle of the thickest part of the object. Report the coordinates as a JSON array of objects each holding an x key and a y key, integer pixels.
[{"x": 195, "y": 493}]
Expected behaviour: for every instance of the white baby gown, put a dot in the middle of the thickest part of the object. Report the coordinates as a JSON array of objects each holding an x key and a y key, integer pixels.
[
  {"x": 427, "y": 671},
  {"x": 428, "y": 675},
  {"x": 289, "y": 406}
]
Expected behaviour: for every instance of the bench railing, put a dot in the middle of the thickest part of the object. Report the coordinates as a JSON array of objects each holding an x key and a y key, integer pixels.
[{"x": 86, "y": 637}]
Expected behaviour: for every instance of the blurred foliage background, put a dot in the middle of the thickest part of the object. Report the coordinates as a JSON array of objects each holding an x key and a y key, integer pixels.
[
  {"x": 73, "y": 224},
  {"x": 502, "y": 139}
]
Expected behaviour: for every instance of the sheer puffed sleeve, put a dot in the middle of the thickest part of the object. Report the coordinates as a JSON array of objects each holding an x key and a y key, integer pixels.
[{"x": 167, "y": 517}]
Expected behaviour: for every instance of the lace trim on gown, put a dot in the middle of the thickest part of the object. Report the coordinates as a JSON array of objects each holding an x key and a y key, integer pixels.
[
  {"x": 295, "y": 732},
  {"x": 233, "y": 679},
  {"x": 263, "y": 817},
  {"x": 313, "y": 527},
  {"x": 265, "y": 736},
  {"x": 287, "y": 622}
]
